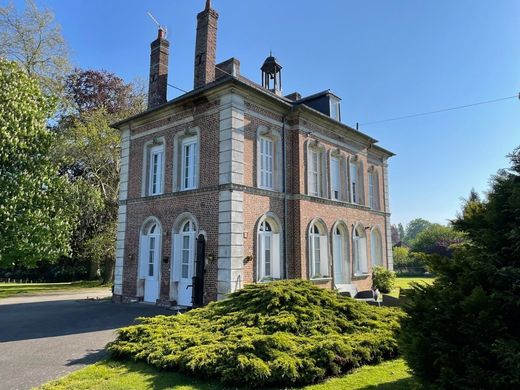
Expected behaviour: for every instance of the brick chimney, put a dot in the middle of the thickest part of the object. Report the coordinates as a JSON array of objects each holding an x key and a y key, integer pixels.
[
  {"x": 158, "y": 84},
  {"x": 205, "y": 46}
]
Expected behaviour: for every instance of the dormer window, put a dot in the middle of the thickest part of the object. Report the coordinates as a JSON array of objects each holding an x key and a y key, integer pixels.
[{"x": 335, "y": 112}]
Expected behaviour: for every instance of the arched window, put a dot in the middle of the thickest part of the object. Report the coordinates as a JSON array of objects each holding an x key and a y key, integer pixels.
[
  {"x": 340, "y": 258},
  {"x": 268, "y": 249},
  {"x": 318, "y": 251},
  {"x": 316, "y": 168},
  {"x": 376, "y": 247},
  {"x": 360, "y": 250}
]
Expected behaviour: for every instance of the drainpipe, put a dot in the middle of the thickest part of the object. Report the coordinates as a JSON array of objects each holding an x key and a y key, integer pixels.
[{"x": 285, "y": 205}]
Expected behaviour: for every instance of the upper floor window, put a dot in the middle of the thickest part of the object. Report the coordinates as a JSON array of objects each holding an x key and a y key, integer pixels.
[
  {"x": 356, "y": 181},
  {"x": 155, "y": 170},
  {"x": 314, "y": 173},
  {"x": 189, "y": 163},
  {"x": 266, "y": 162},
  {"x": 268, "y": 159},
  {"x": 335, "y": 178},
  {"x": 335, "y": 112},
  {"x": 373, "y": 190}
]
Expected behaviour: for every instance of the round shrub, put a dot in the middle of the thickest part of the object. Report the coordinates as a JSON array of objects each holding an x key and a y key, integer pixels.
[
  {"x": 383, "y": 279},
  {"x": 282, "y": 333}
]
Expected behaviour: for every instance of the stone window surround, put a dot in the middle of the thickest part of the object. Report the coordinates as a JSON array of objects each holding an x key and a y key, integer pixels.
[
  {"x": 276, "y": 227},
  {"x": 275, "y": 136},
  {"x": 322, "y": 227},
  {"x": 147, "y": 147},
  {"x": 354, "y": 254},
  {"x": 177, "y": 158},
  {"x": 313, "y": 144},
  {"x": 380, "y": 231}
]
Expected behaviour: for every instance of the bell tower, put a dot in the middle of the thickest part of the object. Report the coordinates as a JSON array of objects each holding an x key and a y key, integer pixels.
[{"x": 272, "y": 75}]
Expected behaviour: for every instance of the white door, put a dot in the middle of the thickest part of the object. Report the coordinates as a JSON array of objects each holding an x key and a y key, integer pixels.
[
  {"x": 340, "y": 262},
  {"x": 185, "y": 263},
  {"x": 150, "y": 264}
]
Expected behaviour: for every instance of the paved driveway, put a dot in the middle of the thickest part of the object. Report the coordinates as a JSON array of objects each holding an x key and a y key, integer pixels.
[{"x": 45, "y": 337}]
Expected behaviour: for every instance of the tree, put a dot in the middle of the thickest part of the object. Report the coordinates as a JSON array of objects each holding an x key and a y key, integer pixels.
[
  {"x": 88, "y": 150},
  {"x": 462, "y": 331},
  {"x": 35, "y": 218},
  {"x": 437, "y": 239},
  {"x": 401, "y": 256},
  {"x": 33, "y": 39},
  {"x": 395, "y": 235},
  {"x": 402, "y": 233},
  {"x": 414, "y": 227}
]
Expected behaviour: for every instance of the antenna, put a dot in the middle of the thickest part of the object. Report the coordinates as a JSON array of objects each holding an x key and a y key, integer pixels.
[{"x": 158, "y": 24}]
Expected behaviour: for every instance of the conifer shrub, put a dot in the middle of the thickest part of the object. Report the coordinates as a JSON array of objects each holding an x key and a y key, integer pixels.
[{"x": 282, "y": 333}]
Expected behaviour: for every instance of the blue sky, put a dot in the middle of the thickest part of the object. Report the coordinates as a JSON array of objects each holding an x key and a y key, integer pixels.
[{"x": 383, "y": 58}]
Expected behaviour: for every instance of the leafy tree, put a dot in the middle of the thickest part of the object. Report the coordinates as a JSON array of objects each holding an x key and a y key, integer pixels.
[
  {"x": 414, "y": 227},
  {"x": 462, "y": 331},
  {"x": 437, "y": 239},
  {"x": 33, "y": 39},
  {"x": 35, "y": 217},
  {"x": 88, "y": 150},
  {"x": 401, "y": 256},
  {"x": 395, "y": 235},
  {"x": 402, "y": 233}
]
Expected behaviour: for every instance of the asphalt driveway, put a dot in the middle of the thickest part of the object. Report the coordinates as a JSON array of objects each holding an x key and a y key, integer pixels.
[{"x": 45, "y": 337}]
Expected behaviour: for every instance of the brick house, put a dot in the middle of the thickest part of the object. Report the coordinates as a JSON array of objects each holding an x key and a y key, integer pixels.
[{"x": 234, "y": 183}]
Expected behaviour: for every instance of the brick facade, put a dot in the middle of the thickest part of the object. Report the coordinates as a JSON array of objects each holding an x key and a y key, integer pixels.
[{"x": 228, "y": 117}]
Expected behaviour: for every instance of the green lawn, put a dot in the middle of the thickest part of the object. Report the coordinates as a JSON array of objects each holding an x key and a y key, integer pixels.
[
  {"x": 404, "y": 282},
  {"x": 12, "y": 289},
  {"x": 111, "y": 375}
]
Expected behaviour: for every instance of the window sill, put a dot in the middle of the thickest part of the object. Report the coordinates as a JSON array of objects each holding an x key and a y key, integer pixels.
[{"x": 360, "y": 276}]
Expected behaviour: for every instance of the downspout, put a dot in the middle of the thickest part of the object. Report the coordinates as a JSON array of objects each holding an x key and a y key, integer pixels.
[{"x": 285, "y": 201}]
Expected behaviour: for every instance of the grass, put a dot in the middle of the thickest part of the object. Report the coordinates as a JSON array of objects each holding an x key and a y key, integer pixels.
[
  {"x": 14, "y": 289},
  {"x": 404, "y": 282},
  {"x": 113, "y": 375}
]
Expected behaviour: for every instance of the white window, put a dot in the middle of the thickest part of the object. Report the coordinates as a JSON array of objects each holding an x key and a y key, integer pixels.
[
  {"x": 155, "y": 179},
  {"x": 266, "y": 163},
  {"x": 335, "y": 178},
  {"x": 339, "y": 256},
  {"x": 268, "y": 251},
  {"x": 353, "y": 182},
  {"x": 373, "y": 190},
  {"x": 360, "y": 251},
  {"x": 314, "y": 173},
  {"x": 376, "y": 247},
  {"x": 335, "y": 109},
  {"x": 189, "y": 163},
  {"x": 318, "y": 253}
]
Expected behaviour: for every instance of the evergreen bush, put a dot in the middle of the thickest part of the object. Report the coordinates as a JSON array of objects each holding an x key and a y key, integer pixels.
[
  {"x": 463, "y": 331},
  {"x": 282, "y": 333},
  {"x": 383, "y": 279}
]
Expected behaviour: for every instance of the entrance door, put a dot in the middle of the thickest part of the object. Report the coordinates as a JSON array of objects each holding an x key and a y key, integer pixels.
[
  {"x": 341, "y": 272},
  {"x": 150, "y": 263},
  {"x": 184, "y": 263}
]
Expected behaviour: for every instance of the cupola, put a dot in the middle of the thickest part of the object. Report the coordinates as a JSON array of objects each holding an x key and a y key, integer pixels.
[{"x": 272, "y": 75}]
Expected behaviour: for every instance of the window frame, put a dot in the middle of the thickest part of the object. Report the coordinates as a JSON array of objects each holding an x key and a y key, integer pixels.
[
  {"x": 269, "y": 160},
  {"x": 157, "y": 150},
  {"x": 189, "y": 179},
  {"x": 335, "y": 178}
]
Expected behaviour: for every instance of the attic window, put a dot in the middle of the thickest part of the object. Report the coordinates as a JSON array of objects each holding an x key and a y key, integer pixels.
[{"x": 335, "y": 112}]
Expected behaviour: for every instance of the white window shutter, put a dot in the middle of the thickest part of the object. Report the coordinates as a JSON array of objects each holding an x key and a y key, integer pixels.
[
  {"x": 275, "y": 256},
  {"x": 143, "y": 260},
  {"x": 310, "y": 181},
  {"x": 363, "y": 261},
  {"x": 260, "y": 257},
  {"x": 196, "y": 173},
  {"x": 324, "y": 256},
  {"x": 176, "y": 261}
]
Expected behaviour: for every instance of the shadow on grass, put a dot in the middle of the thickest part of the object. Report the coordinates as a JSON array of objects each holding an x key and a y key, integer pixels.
[{"x": 400, "y": 384}]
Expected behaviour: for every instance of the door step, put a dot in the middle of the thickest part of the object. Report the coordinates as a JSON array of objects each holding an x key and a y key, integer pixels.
[{"x": 347, "y": 289}]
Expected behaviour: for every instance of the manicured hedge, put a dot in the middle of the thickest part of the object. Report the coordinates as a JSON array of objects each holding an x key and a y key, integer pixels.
[{"x": 280, "y": 333}]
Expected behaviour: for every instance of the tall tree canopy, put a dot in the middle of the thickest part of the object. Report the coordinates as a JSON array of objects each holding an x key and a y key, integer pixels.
[
  {"x": 35, "y": 216},
  {"x": 414, "y": 227},
  {"x": 33, "y": 39},
  {"x": 88, "y": 150},
  {"x": 463, "y": 331}
]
